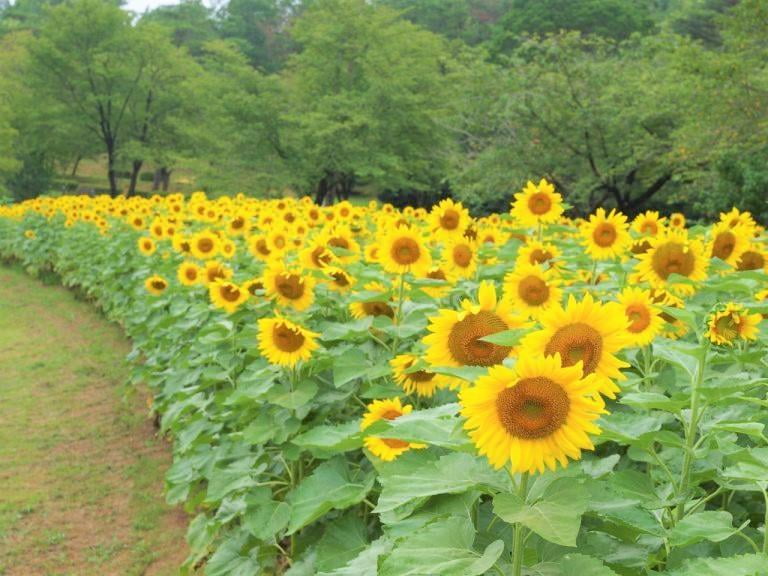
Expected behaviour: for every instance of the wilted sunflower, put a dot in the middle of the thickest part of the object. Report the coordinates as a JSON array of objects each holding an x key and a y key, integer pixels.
[
  {"x": 588, "y": 332},
  {"x": 535, "y": 252},
  {"x": 189, "y": 273},
  {"x": 673, "y": 253},
  {"x": 534, "y": 416},
  {"x": 403, "y": 250},
  {"x": 537, "y": 204},
  {"x": 731, "y": 323},
  {"x": 284, "y": 343},
  {"x": 729, "y": 243},
  {"x": 605, "y": 236},
  {"x": 289, "y": 287},
  {"x": 448, "y": 219},
  {"x": 227, "y": 295},
  {"x": 422, "y": 382},
  {"x": 460, "y": 257},
  {"x": 156, "y": 285},
  {"x": 531, "y": 289},
  {"x": 644, "y": 317},
  {"x": 753, "y": 258},
  {"x": 456, "y": 336},
  {"x": 204, "y": 245},
  {"x": 147, "y": 246},
  {"x": 373, "y": 307},
  {"x": 386, "y": 448}
]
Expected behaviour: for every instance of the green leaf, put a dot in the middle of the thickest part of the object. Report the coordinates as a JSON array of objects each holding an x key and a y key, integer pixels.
[
  {"x": 573, "y": 565},
  {"x": 366, "y": 563},
  {"x": 342, "y": 540},
  {"x": 331, "y": 439},
  {"x": 506, "y": 337},
  {"x": 653, "y": 400},
  {"x": 435, "y": 426},
  {"x": 556, "y": 517},
  {"x": 330, "y": 486},
  {"x": 746, "y": 565},
  {"x": 451, "y": 474},
  {"x": 443, "y": 547},
  {"x": 266, "y": 519},
  {"x": 293, "y": 399},
  {"x": 354, "y": 330},
  {"x": 748, "y": 428},
  {"x": 714, "y": 526},
  {"x": 466, "y": 373}
]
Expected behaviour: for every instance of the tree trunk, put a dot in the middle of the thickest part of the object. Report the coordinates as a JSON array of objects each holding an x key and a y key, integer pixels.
[
  {"x": 76, "y": 166},
  {"x": 111, "y": 171},
  {"x": 166, "y": 179},
  {"x": 322, "y": 190},
  {"x": 135, "y": 169},
  {"x": 157, "y": 179}
]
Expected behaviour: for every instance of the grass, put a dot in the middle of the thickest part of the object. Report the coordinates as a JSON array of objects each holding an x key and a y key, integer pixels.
[{"x": 81, "y": 474}]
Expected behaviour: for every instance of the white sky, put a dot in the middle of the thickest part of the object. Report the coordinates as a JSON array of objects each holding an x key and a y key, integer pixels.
[{"x": 139, "y": 6}]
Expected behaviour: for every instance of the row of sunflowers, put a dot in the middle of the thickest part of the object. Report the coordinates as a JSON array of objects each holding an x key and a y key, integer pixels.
[{"x": 365, "y": 390}]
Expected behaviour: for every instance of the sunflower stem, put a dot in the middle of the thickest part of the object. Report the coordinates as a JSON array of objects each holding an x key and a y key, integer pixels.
[
  {"x": 518, "y": 538},
  {"x": 691, "y": 431},
  {"x": 399, "y": 313},
  {"x": 765, "y": 523},
  {"x": 541, "y": 230}
]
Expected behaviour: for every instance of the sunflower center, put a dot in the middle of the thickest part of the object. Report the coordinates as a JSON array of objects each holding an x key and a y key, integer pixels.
[
  {"x": 466, "y": 346},
  {"x": 191, "y": 273},
  {"x": 158, "y": 284},
  {"x": 214, "y": 274},
  {"x": 533, "y": 291},
  {"x": 238, "y": 223},
  {"x": 639, "y": 317},
  {"x": 395, "y": 443},
  {"x": 339, "y": 242},
  {"x": 378, "y": 309},
  {"x": 462, "y": 255},
  {"x": 436, "y": 274},
  {"x": 320, "y": 257},
  {"x": 673, "y": 258},
  {"x": 279, "y": 242},
  {"x": 539, "y": 256},
  {"x": 340, "y": 278},
  {"x": 261, "y": 247},
  {"x": 450, "y": 219},
  {"x": 576, "y": 342},
  {"x": 534, "y": 408},
  {"x": 285, "y": 339},
  {"x": 539, "y": 203},
  {"x": 727, "y": 327},
  {"x": 649, "y": 227},
  {"x": 290, "y": 286},
  {"x": 604, "y": 234},
  {"x": 405, "y": 251},
  {"x": 205, "y": 245},
  {"x": 255, "y": 286},
  {"x": 230, "y": 293},
  {"x": 641, "y": 247},
  {"x": 723, "y": 245},
  {"x": 751, "y": 260}
]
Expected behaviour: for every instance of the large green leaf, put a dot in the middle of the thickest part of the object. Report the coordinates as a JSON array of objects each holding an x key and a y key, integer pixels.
[
  {"x": 745, "y": 565},
  {"x": 331, "y": 439},
  {"x": 712, "y": 525},
  {"x": 573, "y": 565},
  {"x": 364, "y": 564}
]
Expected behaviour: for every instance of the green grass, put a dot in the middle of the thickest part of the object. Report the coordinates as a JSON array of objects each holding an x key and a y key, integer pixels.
[{"x": 81, "y": 475}]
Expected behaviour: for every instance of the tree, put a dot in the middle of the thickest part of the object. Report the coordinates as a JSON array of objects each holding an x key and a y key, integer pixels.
[{"x": 191, "y": 24}]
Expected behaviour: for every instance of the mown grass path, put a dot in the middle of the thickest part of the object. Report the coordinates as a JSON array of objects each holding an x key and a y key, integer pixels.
[{"x": 81, "y": 471}]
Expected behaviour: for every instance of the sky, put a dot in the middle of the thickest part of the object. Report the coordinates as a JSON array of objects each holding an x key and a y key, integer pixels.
[{"x": 140, "y": 6}]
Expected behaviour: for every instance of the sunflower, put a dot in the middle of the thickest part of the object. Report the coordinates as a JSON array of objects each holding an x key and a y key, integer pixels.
[
  {"x": 588, "y": 332},
  {"x": 338, "y": 279},
  {"x": 289, "y": 287},
  {"x": 736, "y": 218},
  {"x": 254, "y": 286},
  {"x": 535, "y": 252},
  {"x": 648, "y": 223},
  {"x": 673, "y": 253},
  {"x": 386, "y": 448},
  {"x": 460, "y": 258},
  {"x": 155, "y": 285},
  {"x": 204, "y": 245},
  {"x": 239, "y": 224},
  {"x": 422, "y": 382},
  {"x": 677, "y": 220},
  {"x": 341, "y": 241},
  {"x": 215, "y": 271},
  {"x": 259, "y": 247},
  {"x": 403, "y": 250},
  {"x": 605, "y": 236},
  {"x": 373, "y": 307},
  {"x": 753, "y": 258},
  {"x": 733, "y": 322},
  {"x": 537, "y": 204},
  {"x": 284, "y": 343},
  {"x": 317, "y": 255},
  {"x": 530, "y": 289},
  {"x": 533, "y": 416},
  {"x": 189, "y": 273},
  {"x": 456, "y": 336},
  {"x": 449, "y": 219},
  {"x": 147, "y": 246},
  {"x": 644, "y": 317},
  {"x": 227, "y": 295},
  {"x": 31, "y": 235},
  {"x": 437, "y": 274},
  {"x": 728, "y": 243}
]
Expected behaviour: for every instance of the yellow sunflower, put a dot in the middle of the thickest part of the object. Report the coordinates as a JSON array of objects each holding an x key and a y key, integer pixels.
[
  {"x": 189, "y": 273},
  {"x": 588, "y": 332},
  {"x": 648, "y": 223},
  {"x": 260, "y": 248},
  {"x": 227, "y": 295},
  {"x": 317, "y": 255},
  {"x": 403, "y": 250},
  {"x": 215, "y": 271},
  {"x": 339, "y": 279},
  {"x": 677, "y": 220},
  {"x": 460, "y": 258},
  {"x": 537, "y": 204},
  {"x": 644, "y": 317},
  {"x": 386, "y": 448},
  {"x": 31, "y": 235},
  {"x": 534, "y": 416},
  {"x": 239, "y": 224},
  {"x": 535, "y": 252},
  {"x": 289, "y": 287},
  {"x": 456, "y": 335},
  {"x": 374, "y": 307},
  {"x": 754, "y": 257},
  {"x": 284, "y": 343},
  {"x": 147, "y": 246},
  {"x": 531, "y": 289},
  {"x": 422, "y": 382},
  {"x": 673, "y": 253},
  {"x": 728, "y": 243},
  {"x": 156, "y": 285},
  {"x": 448, "y": 219},
  {"x": 438, "y": 274},
  {"x": 254, "y": 286},
  {"x": 204, "y": 245},
  {"x": 605, "y": 236},
  {"x": 733, "y": 322}
]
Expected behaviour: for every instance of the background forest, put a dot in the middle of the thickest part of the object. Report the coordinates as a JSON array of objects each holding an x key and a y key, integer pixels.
[{"x": 630, "y": 103}]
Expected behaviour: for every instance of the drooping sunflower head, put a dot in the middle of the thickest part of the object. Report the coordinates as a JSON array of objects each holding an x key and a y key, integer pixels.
[
  {"x": 216, "y": 271},
  {"x": 289, "y": 287},
  {"x": 535, "y": 252},
  {"x": 189, "y": 274},
  {"x": 386, "y": 448},
  {"x": 339, "y": 279},
  {"x": 373, "y": 306},
  {"x": 204, "y": 245},
  {"x": 156, "y": 285},
  {"x": 317, "y": 254},
  {"x": 254, "y": 286},
  {"x": 147, "y": 246},
  {"x": 585, "y": 332},
  {"x": 449, "y": 219},
  {"x": 605, "y": 236},
  {"x": 648, "y": 223},
  {"x": 733, "y": 322},
  {"x": 645, "y": 321},
  {"x": 402, "y": 251},
  {"x": 457, "y": 337},
  {"x": 284, "y": 343},
  {"x": 422, "y": 382},
  {"x": 673, "y": 253},
  {"x": 728, "y": 243},
  {"x": 537, "y": 204},
  {"x": 534, "y": 416},
  {"x": 342, "y": 244},
  {"x": 737, "y": 218},
  {"x": 531, "y": 289},
  {"x": 754, "y": 257}
]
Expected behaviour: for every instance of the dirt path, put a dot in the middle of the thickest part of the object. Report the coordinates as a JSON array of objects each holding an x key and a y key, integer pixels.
[{"x": 81, "y": 471}]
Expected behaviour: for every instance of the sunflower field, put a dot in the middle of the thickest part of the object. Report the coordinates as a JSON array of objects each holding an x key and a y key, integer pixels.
[{"x": 361, "y": 391}]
